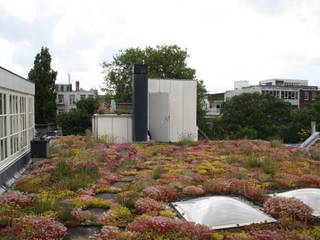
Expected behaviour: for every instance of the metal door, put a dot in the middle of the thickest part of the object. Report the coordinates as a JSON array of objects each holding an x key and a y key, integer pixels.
[{"x": 159, "y": 116}]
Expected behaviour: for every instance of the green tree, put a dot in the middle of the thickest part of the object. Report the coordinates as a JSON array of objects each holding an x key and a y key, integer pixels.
[
  {"x": 201, "y": 106},
  {"x": 44, "y": 78},
  {"x": 167, "y": 61},
  {"x": 254, "y": 115},
  {"x": 299, "y": 127},
  {"x": 74, "y": 122},
  {"x": 88, "y": 105}
]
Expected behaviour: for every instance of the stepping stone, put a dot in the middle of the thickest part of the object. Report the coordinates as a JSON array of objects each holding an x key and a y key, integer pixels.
[
  {"x": 96, "y": 210},
  {"x": 106, "y": 196},
  {"x": 121, "y": 184},
  {"x": 81, "y": 232}
]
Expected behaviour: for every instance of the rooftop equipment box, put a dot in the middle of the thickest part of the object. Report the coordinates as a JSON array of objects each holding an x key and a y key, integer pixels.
[{"x": 172, "y": 110}]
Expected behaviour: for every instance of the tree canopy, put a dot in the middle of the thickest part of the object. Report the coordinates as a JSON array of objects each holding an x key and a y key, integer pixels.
[
  {"x": 167, "y": 61},
  {"x": 254, "y": 115},
  {"x": 44, "y": 78},
  {"x": 163, "y": 62},
  {"x": 88, "y": 105}
]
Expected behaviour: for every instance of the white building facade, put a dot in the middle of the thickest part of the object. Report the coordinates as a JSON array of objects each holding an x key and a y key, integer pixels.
[
  {"x": 67, "y": 98},
  {"x": 16, "y": 119},
  {"x": 286, "y": 89}
]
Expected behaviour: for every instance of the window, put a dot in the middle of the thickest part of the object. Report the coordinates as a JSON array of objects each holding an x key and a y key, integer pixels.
[
  {"x": 72, "y": 99},
  {"x": 306, "y": 96},
  {"x": 82, "y": 96},
  {"x": 16, "y": 123},
  {"x": 310, "y": 196},
  {"x": 60, "y": 98},
  {"x": 228, "y": 212},
  {"x": 90, "y": 96},
  {"x": 3, "y": 127},
  {"x": 314, "y": 95}
]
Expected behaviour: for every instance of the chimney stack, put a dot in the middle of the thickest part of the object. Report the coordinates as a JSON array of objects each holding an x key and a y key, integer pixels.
[{"x": 77, "y": 86}]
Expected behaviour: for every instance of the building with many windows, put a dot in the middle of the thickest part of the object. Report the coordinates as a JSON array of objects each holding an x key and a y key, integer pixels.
[
  {"x": 214, "y": 103},
  {"x": 67, "y": 98},
  {"x": 16, "y": 123},
  {"x": 296, "y": 92}
]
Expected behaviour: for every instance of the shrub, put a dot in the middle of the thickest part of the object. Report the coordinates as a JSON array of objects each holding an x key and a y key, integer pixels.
[
  {"x": 74, "y": 122},
  {"x": 292, "y": 208},
  {"x": 193, "y": 190},
  {"x": 162, "y": 193},
  {"x": 145, "y": 205},
  {"x": 164, "y": 226},
  {"x": 37, "y": 227}
]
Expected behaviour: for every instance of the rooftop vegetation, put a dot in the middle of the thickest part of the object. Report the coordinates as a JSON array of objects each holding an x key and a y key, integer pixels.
[{"x": 131, "y": 184}]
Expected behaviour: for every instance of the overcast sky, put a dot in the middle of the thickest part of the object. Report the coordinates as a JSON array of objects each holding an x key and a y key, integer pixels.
[{"x": 227, "y": 40}]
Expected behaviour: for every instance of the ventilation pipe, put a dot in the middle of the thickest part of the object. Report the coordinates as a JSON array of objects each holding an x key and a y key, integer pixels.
[{"x": 140, "y": 103}]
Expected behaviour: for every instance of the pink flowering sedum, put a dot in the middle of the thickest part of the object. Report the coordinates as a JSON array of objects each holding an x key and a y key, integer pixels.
[
  {"x": 15, "y": 198},
  {"x": 193, "y": 190},
  {"x": 162, "y": 193},
  {"x": 164, "y": 225},
  {"x": 279, "y": 207},
  {"x": 144, "y": 205},
  {"x": 37, "y": 227}
]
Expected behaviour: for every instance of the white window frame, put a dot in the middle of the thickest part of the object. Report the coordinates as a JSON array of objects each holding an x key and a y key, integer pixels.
[{"x": 17, "y": 129}]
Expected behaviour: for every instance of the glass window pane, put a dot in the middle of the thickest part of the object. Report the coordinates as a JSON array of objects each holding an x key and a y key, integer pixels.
[{"x": 220, "y": 212}]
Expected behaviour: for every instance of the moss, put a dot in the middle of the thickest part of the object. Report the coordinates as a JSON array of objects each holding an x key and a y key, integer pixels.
[{"x": 166, "y": 213}]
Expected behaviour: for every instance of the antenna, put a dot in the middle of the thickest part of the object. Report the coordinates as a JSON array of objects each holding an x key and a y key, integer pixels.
[{"x": 69, "y": 77}]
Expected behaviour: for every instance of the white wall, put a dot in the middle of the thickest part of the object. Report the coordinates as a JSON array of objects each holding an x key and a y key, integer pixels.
[
  {"x": 112, "y": 127},
  {"x": 13, "y": 82},
  {"x": 182, "y": 106},
  {"x": 16, "y": 117}
]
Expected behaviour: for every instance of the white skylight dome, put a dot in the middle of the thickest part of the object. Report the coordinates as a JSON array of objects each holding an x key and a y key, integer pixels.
[
  {"x": 219, "y": 212},
  {"x": 309, "y": 196}
]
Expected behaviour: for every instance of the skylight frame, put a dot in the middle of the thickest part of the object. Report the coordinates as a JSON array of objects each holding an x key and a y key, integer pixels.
[{"x": 181, "y": 213}]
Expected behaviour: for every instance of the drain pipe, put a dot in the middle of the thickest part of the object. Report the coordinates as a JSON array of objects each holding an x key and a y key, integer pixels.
[{"x": 313, "y": 127}]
